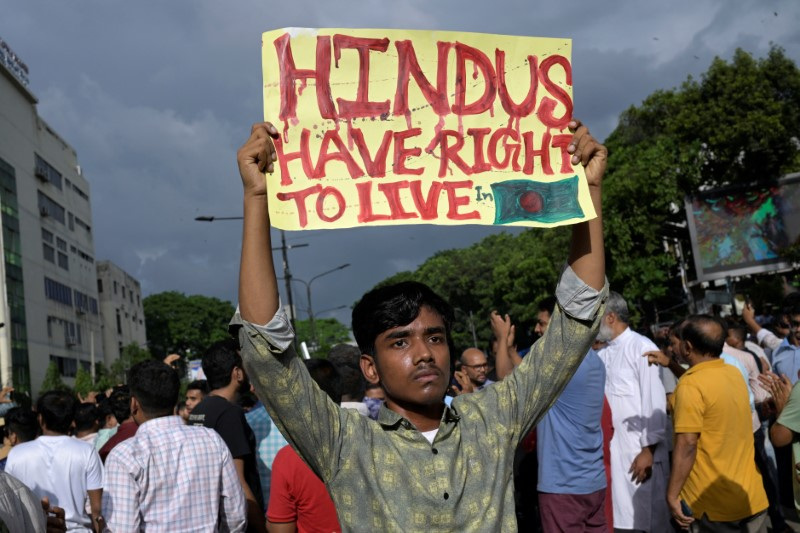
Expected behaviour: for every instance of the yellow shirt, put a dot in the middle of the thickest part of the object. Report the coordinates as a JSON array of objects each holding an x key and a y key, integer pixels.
[{"x": 711, "y": 399}]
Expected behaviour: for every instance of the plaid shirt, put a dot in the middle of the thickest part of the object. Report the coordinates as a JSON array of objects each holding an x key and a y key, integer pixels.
[
  {"x": 172, "y": 477},
  {"x": 269, "y": 441}
]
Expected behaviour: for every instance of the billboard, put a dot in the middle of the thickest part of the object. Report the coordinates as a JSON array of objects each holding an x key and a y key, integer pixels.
[{"x": 742, "y": 230}]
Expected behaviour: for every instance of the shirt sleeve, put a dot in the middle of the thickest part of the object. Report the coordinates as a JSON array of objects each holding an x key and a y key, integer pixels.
[
  {"x": 94, "y": 472},
  {"x": 282, "y": 505},
  {"x": 519, "y": 401},
  {"x": 689, "y": 408},
  {"x": 311, "y": 420},
  {"x": 790, "y": 416},
  {"x": 121, "y": 495},
  {"x": 768, "y": 339},
  {"x": 653, "y": 400},
  {"x": 233, "y": 508}
]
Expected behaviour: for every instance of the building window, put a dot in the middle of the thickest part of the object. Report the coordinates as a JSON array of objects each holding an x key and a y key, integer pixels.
[
  {"x": 115, "y": 287},
  {"x": 67, "y": 366},
  {"x": 63, "y": 260},
  {"x": 49, "y": 253},
  {"x": 93, "y": 306},
  {"x": 81, "y": 302},
  {"x": 50, "y": 208},
  {"x": 45, "y": 172},
  {"x": 57, "y": 291},
  {"x": 100, "y": 286},
  {"x": 119, "y": 323},
  {"x": 123, "y": 292}
]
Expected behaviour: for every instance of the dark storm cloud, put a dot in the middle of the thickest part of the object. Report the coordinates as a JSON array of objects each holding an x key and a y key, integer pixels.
[{"x": 156, "y": 97}]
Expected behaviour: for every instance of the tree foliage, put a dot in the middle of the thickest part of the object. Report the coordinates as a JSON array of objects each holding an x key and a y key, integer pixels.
[
  {"x": 130, "y": 355},
  {"x": 328, "y": 331},
  {"x": 737, "y": 125},
  {"x": 182, "y": 324},
  {"x": 52, "y": 379},
  {"x": 83, "y": 382}
]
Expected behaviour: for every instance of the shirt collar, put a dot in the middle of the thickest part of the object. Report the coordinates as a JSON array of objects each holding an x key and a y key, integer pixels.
[
  {"x": 390, "y": 419},
  {"x": 705, "y": 364},
  {"x": 162, "y": 422}
]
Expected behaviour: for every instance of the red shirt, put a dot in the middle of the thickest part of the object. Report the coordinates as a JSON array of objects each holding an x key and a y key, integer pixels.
[
  {"x": 296, "y": 494},
  {"x": 126, "y": 430}
]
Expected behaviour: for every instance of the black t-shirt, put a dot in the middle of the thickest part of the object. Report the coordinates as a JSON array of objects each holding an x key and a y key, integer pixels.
[{"x": 228, "y": 420}]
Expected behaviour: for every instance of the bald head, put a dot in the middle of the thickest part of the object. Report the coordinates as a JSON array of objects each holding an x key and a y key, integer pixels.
[
  {"x": 704, "y": 335},
  {"x": 475, "y": 365}
]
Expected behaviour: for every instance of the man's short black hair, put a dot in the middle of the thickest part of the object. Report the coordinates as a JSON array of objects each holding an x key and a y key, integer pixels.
[
  {"x": 198, "y": 384},
  {"x": 706, "y": 333},
  {"x": 345, "y": 355},
  {"x": 352, "y": 381},
  {"x": 219, "y": 361},
  {"x": 155, "y": 386},
  {"x": 22, "y": 422},
  {"x": 548, "y": 303},
  {"x": 393, "y": 306},
  {"x": 120, "y": 403},
  {"x": 327, "y": 377},
  {"x": 57, "y": 409},
  {"x": 737, "y": 330},
  {"x": 86, "y": 416}
]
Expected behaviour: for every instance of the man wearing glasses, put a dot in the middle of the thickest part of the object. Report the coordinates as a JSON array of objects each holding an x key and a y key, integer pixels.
[{"x": 475, "y": 365}]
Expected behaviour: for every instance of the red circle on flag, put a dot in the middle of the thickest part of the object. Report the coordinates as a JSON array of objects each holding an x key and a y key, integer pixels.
[{"x": 531, "y": 201}]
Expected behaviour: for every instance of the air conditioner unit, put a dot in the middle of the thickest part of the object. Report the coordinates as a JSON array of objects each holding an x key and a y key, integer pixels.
[
  {"x": 44, "y": 211},
  {"x": 71, "y": 340},
  {"x": 41, "y": 173},
  {"x": 80, "y": 310}
]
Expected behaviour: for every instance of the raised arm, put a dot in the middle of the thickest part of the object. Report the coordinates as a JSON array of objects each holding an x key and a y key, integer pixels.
[
  {"x": 258, "y": 287},
  {"x": 587, "y": 255}
]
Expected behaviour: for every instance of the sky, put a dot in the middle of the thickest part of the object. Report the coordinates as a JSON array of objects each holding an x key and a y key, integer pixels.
[{"x": 156, "y": 96}]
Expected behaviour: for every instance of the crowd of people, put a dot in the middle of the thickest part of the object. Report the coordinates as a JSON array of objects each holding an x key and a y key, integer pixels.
[{"x": 594, "y": 427}]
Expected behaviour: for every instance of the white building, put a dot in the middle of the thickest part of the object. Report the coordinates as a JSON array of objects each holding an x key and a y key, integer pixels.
[
  {"x": 49, "y": 280},
  {"x": 121, "y": 310}
]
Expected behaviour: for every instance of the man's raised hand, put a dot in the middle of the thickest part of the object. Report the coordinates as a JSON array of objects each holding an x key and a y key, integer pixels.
[
  {"x": 587, "y": 151},
  {"x": 257, "y": 156}
]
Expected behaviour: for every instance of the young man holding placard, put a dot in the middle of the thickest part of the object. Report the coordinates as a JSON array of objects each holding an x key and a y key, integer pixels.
[{"x": 423, "y": 466}]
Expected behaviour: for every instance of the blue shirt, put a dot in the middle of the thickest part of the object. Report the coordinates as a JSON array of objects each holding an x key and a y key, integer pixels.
[
  {"x": 786, "y": 360},
  {"x": 569, "y": 438},
  {"x": 268, "y": 442}
]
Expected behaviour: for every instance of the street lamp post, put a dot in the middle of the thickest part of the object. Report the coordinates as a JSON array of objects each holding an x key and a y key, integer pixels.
[{"x": 308, "y": 296}]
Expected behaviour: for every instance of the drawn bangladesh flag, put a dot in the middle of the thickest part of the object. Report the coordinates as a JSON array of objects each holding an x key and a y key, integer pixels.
[{"x": 525, "y": 200}]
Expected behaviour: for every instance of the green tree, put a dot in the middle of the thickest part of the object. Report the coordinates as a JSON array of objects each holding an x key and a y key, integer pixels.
[
  {"x": 177, "y": 323},
  {"x": 52, "y": 379},
  {"x": 737, "y": 125},
  {"x": 329, "y": 332},
  {"x": 130, "y": 355},
  {"x": 83, "y": 382}
]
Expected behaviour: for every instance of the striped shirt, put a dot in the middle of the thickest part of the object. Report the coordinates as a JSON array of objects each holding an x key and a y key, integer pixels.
[{"x": 172, "y": 477}]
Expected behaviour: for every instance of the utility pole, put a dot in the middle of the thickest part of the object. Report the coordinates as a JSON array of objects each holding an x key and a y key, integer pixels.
[
  {"x": 283, "y": 248},
  {"x": 287, "y": 275}
]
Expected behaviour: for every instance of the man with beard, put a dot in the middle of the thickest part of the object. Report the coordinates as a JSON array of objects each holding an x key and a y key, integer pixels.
[
  {"x": 475, "y": 365},
  {"x": 639, "y": 463},
  {"x": 227, "y": 379}
]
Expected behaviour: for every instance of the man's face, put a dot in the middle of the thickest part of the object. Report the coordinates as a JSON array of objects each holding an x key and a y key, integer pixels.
[
  {"x": 606, "y": 332},
  {"x": 193, "y": 397},
  {"x": 474, "y": 363},
  {"x": 542, "y": 321},
  {"x": 794, "y": 327},
  {"x": 677, "y": 349},
  {"x": 412, "y": 362}
]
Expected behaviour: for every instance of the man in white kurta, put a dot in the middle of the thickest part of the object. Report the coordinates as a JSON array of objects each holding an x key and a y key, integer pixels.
[{"x": 639, "y": 449}]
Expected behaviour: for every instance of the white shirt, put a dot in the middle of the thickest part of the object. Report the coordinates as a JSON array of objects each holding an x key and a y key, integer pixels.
[
  {"x": 62, "y": 469},
  {"x": 639, "y": 411}
]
